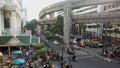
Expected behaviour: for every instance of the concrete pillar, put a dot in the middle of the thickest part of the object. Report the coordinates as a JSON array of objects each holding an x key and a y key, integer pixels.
[
  {"x": 38, "y": 28},
  {"x": 9, "y": 50},
  {"x": 67, "y": 21},
  {"x": 52, "y": 14},
  {"x": 100, "y": 30},
  {"x": 38, "y": 39},
  {"x": 78, "y": 28},
  {"x": 13, "y": 27},
  {"x": 18, "y": 25},
  {"x": 2, "y": 20},
  {"x": 20, "y": 47}
]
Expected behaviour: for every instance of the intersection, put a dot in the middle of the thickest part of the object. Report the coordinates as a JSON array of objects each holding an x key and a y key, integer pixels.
[{"x": 88, "y": 58}]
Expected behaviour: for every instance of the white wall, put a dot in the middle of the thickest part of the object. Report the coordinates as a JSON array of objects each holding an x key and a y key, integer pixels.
[
  {"x": 15, "y": 24},
  {"x": 0, "y": 23}
]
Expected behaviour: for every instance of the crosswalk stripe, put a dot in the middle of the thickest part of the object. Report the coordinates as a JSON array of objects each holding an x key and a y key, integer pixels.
[{"x": 83, "y": 57}]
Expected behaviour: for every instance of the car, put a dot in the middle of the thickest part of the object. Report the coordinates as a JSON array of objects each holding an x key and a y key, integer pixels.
[
  {"x": 97, "y": 44},
  {"x": 70, "y": 51},
  {"x": 74, "y": 41},
  {"x": 56, "y": 42},
  {"x": 100, "y": 45},
  {"x": 75, "y": 47},
  {"x": 80, "y": 44}
]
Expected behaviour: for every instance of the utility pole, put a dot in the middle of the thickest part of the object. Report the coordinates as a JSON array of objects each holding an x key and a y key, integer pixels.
[{"x": 67, "y": 21}]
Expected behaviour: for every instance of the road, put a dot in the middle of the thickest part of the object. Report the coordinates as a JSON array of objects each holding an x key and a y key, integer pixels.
[
  {"x": 86, "y": 59},
  {"x": 94, "y": 62}
]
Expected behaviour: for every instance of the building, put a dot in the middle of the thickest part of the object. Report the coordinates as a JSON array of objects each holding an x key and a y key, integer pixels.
[
  {"x": 100, "y": 8},
  {"x": 113, "y": 7},
  {"x": 92, "y": 9},
  {"x": 11, "y": 17}
]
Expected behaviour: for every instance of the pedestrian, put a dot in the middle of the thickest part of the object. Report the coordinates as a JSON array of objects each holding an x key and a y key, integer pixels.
[
  {"x": 74, "y": 57},
  {"x": 53, "y": 66},
  {"x": 70, "y": 65},
  {"x": 69, "y": 58},
  {"x": 67, "y": 66},
  {"x": 44, "y": 66},
  {"x": 62, "y": 64}
]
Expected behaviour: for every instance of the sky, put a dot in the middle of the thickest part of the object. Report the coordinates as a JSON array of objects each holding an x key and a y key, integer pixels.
[{"x": 34, "y": 6}]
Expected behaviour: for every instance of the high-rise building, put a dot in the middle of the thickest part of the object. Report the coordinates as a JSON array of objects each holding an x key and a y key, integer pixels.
[
  {"x": 92, "y": 9},
  {"x": 110, "y": 8},
  {"x": 96, "y": 9},
  {"x": 10, "y": 17}
]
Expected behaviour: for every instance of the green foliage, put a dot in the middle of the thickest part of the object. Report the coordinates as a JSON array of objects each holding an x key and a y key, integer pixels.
[
  {"x": 58, "y": 28},
  {"x": 39, "y": 46},
  {"x": 116, "y": 30},
  {"x": 70, "y": 43},
  {"x": 32, "y": 24},
  {"x": 108, "y": 25},
  {"x": 40, "y": 52}
]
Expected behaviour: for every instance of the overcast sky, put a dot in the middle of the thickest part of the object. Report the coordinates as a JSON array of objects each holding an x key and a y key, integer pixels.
[{"x": 34, "y": 6}]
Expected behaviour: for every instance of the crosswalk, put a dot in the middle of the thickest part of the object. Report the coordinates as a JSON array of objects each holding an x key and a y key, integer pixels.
[
  {"x": 84, "y": 57},
  {"x": 80, "y": 54},
  {"x": 56, "y": 47}
]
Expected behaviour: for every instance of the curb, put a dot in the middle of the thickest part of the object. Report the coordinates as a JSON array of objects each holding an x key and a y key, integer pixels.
[{"x": 103, "y": 58}]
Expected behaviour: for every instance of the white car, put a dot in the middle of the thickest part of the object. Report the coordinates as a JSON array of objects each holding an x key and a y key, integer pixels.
[
  {"x": 76, "y": 47},
  {"x": 56, "y": 42},
  {"x": 74, "y": 41}
]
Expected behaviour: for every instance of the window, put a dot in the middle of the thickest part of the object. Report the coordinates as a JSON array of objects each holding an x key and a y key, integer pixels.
[
  {"x": 118, "y": 25},
  {"x": 113, "y": 6},
  {"x": 7, "y": 16},
  {"x": 109, "y": 6},
  {"x": 105, "y": 8}
]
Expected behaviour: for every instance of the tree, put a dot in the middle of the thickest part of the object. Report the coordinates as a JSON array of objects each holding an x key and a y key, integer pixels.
[
  {"x": 58, "y": 28},
  {"x": 38, "y": 49},
  {"x": 32, "y": 25},
  {"x": 116, "y": 30},
  {"x": 107, "y": 26},
  {"x": 40, "y": 52},
  {"x": 39, "y": 46}
]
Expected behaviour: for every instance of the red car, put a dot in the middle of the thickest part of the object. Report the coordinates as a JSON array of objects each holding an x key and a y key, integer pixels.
[{"x": 81, "y": 44}]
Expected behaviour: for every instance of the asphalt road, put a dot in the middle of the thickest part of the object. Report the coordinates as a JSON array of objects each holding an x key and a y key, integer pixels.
[
  {"x": 94, "y": 62},
  {"x": 86, "y": 60}
]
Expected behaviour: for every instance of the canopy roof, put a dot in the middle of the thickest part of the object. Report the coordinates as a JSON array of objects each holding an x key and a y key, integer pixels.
[{"x": 14, "y": 40}]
